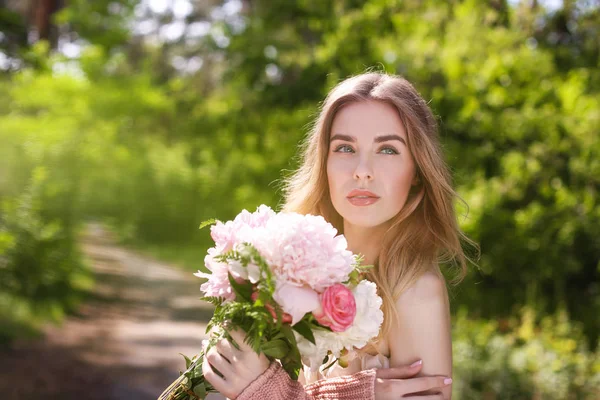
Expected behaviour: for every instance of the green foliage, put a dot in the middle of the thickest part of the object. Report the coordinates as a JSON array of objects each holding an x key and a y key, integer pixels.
[
  {"x": 191, "y": 384},
  {"x": 523, "y": 358},
  {"x": 103, "y": 22},
  {"x": 242, "y": 290},
  {"x": 207, "y": 223},
  {"x": 262, "y": 332},
  {"x": 303, "y": 328},
  {"x": 41, "y": 271}
]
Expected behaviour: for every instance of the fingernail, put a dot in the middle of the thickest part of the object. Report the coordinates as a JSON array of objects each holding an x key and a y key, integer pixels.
[
  {"x": 416, "y": 364},
  {"x": 447, "y": 381}
]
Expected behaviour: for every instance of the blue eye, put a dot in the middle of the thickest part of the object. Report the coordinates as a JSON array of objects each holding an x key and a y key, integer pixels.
[
  {"x": 391, "y": 149},
  {"x": 343, "y": 146}
]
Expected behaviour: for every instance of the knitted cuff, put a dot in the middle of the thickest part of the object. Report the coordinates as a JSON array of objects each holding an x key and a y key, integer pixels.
[
  {"x": 271, "y": 378},
  {"x": 275, "y": 384},
  {"x": 360, "y": 385}
]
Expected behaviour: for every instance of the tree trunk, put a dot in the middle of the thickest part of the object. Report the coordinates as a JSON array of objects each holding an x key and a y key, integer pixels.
[{"x": 43, "y": 15}]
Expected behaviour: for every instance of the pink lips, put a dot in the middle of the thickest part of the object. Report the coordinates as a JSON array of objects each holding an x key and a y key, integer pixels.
[{"x": 359, "y": 197}]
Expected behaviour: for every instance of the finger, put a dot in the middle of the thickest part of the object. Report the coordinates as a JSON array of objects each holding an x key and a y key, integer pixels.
[
  {"x": 219, "y": 362},
  {"x": 227, "y": 350},
  {"x": 405, "y": 371},
  {"x": 211, "y": 376},
  {"x": 422, "y": 384},
  {"x": 239, "y": 336}
]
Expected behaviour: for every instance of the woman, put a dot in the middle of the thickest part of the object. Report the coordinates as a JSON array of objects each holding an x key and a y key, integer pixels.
[{"x": 373, "y": 168}]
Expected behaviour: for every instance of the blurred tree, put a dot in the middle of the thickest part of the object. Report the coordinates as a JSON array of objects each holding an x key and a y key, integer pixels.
[{"x": 21, "y": 18}]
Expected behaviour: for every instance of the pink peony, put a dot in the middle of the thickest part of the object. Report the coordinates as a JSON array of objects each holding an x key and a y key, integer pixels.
[
  {"x": 304, "y": 250},
  {"x": 256, "y": 219},
  {"x": 338, "y": 308},
  {"x": 250, "y": 272},
  {"x": 295, "y": 300},
  {"x": 241, "y": 229},
  {"x": 226, "y": 236},
  {"x": 223, "y": 235},
  {"x": 218, "y": 280}
]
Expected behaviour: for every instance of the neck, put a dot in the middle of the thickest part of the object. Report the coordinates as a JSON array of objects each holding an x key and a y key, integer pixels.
[{"x": 366, "y": 241}]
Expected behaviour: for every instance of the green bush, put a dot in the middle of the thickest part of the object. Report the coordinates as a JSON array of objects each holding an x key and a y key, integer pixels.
[
  {"x": 523, "y": 358},
  {"x": 41, "y": 271}
]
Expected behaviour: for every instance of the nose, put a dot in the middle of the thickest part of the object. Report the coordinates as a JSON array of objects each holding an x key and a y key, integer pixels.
[{"x": 364, "y": 170}]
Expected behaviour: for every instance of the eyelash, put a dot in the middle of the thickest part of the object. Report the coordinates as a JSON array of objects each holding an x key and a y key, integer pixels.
[{"x": 337, "y": 149}]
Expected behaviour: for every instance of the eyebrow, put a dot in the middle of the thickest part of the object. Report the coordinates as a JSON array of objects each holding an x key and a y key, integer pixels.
[{"x": 378, "y": 139}]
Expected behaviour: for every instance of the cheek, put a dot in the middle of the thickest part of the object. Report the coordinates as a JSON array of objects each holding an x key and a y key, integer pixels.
[
  {"x": 335, "y": 174},
  {"x": 401, "y": 182},
  {"x": 402, "y": 188}
]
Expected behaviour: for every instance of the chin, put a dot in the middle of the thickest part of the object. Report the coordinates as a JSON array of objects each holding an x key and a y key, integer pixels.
[{"x": 365, "y": 220}]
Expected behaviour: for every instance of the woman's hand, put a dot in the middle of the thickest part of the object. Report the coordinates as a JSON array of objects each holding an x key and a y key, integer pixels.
[
  {"x": 396, "y": 383},
  {"x": 239, "y": 368}
]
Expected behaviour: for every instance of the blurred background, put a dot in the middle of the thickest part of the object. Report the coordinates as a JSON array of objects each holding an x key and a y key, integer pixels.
[{"x": 126, "y": 123}]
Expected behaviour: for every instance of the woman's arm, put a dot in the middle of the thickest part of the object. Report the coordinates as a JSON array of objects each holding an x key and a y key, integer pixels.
[{"x": 423, "y": 329}]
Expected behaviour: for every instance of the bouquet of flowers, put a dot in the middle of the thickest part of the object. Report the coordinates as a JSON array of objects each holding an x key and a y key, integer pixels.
[{"x": 291, "y": 285}]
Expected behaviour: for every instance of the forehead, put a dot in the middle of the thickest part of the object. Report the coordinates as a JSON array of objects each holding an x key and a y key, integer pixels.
[{"x": 367, "y": 119}]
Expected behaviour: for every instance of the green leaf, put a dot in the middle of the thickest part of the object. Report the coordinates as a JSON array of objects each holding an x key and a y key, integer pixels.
[
  {"x": 292, "y": 363},
  {"x": 186, "y": 383},
  {"x": 243, "y": 291},
  {"x": 188, "y": 362},
  {"x": 208, "y": 222},
  {"x": 200, "y": 390},
  {"x": 197, "y": 372},
  {"x": 303, "y": 328},
  {"x": 287, "y": 332},
  {"x": 275, "y": 348},
  {"x": 330, "y": 364},
  {"x": 214, "y": 300}
]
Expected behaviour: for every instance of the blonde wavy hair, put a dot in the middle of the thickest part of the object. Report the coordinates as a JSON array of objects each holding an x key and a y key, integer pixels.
[{"x": 425, "y": 233}]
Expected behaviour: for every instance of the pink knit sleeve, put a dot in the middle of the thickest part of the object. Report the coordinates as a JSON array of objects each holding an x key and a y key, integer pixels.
[{"x": 275, "y": 384}]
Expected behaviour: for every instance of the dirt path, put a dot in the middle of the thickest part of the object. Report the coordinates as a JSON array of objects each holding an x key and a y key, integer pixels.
[{"x": 123, "y": 344}]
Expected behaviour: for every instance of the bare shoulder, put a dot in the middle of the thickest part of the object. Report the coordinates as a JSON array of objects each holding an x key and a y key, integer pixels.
[
  {"x": 423, "y": 329},
  {"x": 429, "y": 287}
]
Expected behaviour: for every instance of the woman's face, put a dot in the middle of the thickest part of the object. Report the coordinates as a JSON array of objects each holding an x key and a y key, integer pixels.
[{"x": 369, "y": 167}]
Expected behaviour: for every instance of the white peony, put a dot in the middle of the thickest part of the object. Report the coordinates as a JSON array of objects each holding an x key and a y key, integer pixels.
[
  {"x": 365, "y": 327},
  {"x": 369, "y": 316}
]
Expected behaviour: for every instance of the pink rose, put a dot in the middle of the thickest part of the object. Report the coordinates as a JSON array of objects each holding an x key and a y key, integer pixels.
[{"x": 338, "y": 308}]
